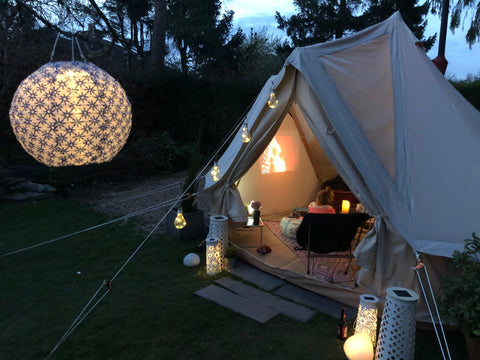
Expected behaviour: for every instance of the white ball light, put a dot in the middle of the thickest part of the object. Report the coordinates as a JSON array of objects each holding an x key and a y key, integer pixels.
[
  {"x": 71, "y": 113},
  {"x": 191, "y": 260},
  {"x": 358, "y": 347}
]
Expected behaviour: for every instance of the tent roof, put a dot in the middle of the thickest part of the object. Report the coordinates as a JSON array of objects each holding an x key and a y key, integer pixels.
[{"x": 411, "y": 139}]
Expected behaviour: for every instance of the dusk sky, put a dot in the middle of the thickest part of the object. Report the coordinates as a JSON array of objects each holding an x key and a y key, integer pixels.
[{"x": 260, "y": 15}]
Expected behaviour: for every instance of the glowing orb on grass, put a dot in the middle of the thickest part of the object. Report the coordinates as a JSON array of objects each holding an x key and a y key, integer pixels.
[{"x": 71, "y": 113}]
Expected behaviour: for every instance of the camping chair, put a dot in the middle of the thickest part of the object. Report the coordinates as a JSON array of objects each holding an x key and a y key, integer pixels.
[{"x": 321, "y": 234}]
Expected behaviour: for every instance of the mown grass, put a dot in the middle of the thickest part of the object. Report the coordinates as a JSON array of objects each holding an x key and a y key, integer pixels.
[{"x": 151, "y": 313}]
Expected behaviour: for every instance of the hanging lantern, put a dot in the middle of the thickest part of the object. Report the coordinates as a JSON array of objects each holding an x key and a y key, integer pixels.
[
  {"x": 215, "y": 173},
  {"x": 246, "y": 136},
  {"x": 213, "y": 257},
  {"x": 367, "y": 317},
  {"x": 71, "y": 113},
  {"x": 179, "y": 221},
  {"x": 272, "y": 100}
]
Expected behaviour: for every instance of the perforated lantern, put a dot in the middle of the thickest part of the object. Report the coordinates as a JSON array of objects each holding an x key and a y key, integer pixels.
[{"x": 71, "y": 113}]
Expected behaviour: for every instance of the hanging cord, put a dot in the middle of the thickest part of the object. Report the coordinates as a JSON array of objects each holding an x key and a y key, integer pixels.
[
  {"x": 109, "y": 283},
  {"x": 80, "y": 49},
  {"x": 441, "y": 343},
  {"x": 125, "y": 217},
  {"x": 54, "y": 47}
]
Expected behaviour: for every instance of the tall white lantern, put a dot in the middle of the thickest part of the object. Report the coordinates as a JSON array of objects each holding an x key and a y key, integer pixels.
[
  {"x": 214, "y": 257},
  {"x": 71, "y": 113},
  {"x": 367, "y": 317}
]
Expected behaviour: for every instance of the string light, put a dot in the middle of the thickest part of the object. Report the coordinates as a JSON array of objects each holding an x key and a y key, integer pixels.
[
  {"x": 246, "y": 136},
  {"x": 180, "y": 221},
  {"x": 215, "y": 173},
  {"x": 272, "y": 100}
]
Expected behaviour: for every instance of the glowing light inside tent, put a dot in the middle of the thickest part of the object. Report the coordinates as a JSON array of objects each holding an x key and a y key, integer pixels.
[
  {"x": 345, "y": 206},
  {"x": 215, "y": 173},
  {"x": 273, "y": 160},
  {"x": 70, "y": 113}
]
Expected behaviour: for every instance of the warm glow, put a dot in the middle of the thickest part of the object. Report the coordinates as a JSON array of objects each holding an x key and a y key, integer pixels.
[
  {"x": 358, "y": 347},
  {"x": 273, "y": 159},
  {"x": 215, "y": 173},
  {"x": 214, "y": 257},
  {"x": 367, "y": 317},
  {"x": 246, "y": 136},
  {"x": 345, "y": 206},
  {"x": 272, "y": 100},
  {"x": 70, "y": 113},
  {"x": 180, "y": 221}
]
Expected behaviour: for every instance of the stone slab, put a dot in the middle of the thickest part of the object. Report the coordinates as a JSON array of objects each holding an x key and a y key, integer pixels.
[
  {"x": 315, "y": 301},
  {"x": 255, "y": 276},
  {"x": 238, "y": 303},
  {"x": 285, "y": 307}
]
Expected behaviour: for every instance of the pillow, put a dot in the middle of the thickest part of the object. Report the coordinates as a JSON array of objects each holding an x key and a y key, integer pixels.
[
  {"x": 289, "y": 227},
  {"x": 329, "y": 210}
]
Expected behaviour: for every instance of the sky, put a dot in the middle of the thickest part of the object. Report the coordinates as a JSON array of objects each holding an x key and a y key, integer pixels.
[{"x": 260, "y": 15}]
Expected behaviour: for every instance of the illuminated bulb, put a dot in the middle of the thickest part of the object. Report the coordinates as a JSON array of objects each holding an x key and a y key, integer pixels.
[
  {"x": 180, "y": 221},
  {"x": 358, "y": 347},
  {"x": 215, "y": 173},
  {"x": 246, "y": 136},
  {"x": 345, "y": 206},
  {"x": 272, "y": 100}
]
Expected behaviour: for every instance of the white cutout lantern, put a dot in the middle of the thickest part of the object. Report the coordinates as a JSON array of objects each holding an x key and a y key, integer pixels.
[
  {"x": 71, "y": 113},
  {"x": 214, "y": 257},
  {"x": 367, "y": 317}
]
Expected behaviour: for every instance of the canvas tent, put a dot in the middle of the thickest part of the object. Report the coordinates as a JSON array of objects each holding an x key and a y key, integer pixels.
[{"x": 374, "y": 109}]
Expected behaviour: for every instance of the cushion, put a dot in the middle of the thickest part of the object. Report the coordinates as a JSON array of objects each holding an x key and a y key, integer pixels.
[
  {"x": 314, "y": 210},
  {"x": 289, "y": 227}
]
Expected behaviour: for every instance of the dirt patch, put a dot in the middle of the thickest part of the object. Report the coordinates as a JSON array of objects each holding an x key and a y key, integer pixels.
[{"x": 159, "y": 193}]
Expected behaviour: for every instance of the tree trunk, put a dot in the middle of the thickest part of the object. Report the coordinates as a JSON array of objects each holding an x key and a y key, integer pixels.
[
  {"x": 440, "y": 61},
  {"x": 157, "y": 47}
]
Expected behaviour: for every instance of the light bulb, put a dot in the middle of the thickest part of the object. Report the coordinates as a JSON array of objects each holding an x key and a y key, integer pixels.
[
  {"x": 272, "y": 100},
  {"x": 246, "y": 136},
  {"x": 180, "y": 221},
  {"x": 215, "y": 173}
]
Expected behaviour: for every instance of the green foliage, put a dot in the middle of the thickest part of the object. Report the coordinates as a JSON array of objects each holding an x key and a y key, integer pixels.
[
  {"x": 460, "y": 301},
  {"x": 230, "y": 252},
  {"x": 470, "y": 89}
]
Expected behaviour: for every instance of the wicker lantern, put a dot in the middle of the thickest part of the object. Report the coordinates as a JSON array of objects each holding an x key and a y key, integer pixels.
[
  {"x": 71, "y": 113},
  {"x": 213, "y": 257}
]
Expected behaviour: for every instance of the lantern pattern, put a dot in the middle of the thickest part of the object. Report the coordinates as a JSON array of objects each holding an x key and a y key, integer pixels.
[
  {"x": 367, "y": 317},
  {"x": 71, "y": 113},
  {"x": 218, "y": 229},
  {"x": 213, "y": 257}
]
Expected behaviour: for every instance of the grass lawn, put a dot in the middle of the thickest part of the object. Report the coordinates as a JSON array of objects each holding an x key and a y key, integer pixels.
[{"x": 151, "y": 313}]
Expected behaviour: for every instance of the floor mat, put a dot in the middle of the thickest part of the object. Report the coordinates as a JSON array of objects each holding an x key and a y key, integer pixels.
[{"x": 330, "y": 269}]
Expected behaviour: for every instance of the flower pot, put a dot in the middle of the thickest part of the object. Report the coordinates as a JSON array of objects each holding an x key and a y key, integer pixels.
[
  {"x": 472, "y": 343},
  {"x": 194, "y": 229}
]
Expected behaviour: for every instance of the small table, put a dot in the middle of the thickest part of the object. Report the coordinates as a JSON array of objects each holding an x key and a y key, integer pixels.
[{"x": 260, "y": 225}]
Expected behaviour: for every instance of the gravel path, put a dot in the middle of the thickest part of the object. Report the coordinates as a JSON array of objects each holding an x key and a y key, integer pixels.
[{"x": 130, "y": 197}]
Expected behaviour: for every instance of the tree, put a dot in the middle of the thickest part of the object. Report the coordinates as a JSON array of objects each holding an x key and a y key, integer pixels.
[
  {"x": 198, "y": 30},
  {"x": 473, "y": 32},
  {"x": 319, "y": 21},
  {"x": 158, "y": 43}
]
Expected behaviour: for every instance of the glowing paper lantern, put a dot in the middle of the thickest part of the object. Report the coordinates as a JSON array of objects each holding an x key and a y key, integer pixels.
[
  {"x": 345, "y": 206},
  {"x": 213, "y": 257},
  {"x": 367, "y": 317},
  {"x": 71, "y": 113},
  {"x": 358, "y": 347}
]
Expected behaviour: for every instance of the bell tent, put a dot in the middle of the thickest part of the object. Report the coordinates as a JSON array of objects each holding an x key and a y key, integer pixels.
[{"x": 372, "y": 108}]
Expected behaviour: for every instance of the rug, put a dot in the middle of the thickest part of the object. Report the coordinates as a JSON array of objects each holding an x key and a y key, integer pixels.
[{"x": 329, "y": 269}]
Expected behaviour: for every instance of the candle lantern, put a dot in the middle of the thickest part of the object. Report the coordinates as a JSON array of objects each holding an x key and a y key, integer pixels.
[
  {"x": 345, "y": 207},
  {"x": 70, "y": 113},
  {"x": 367, "y": 317},
  {"x": 213, "y": 257}
]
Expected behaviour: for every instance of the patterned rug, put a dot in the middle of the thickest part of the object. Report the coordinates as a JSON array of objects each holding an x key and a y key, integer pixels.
[{"x": 329, "y": 269}]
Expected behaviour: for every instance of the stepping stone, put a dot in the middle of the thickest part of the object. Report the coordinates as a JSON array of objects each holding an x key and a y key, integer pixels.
[
  {"x": 315, "y": 301},
  {"x": 287, "y": 308},
  {"x": 255, "y": 276},
  {"x": 237, "y": 303}
]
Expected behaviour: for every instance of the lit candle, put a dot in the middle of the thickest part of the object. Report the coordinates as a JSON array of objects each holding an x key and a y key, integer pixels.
[{"x": 345, "y": 207}]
